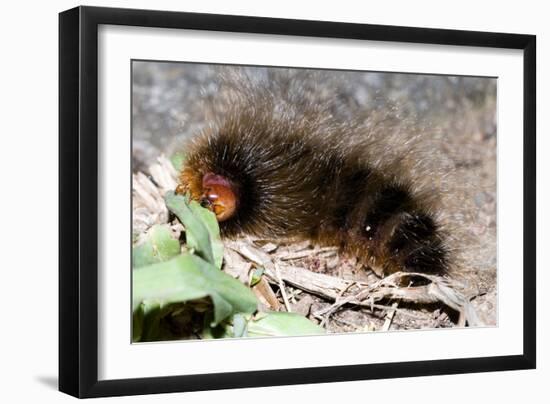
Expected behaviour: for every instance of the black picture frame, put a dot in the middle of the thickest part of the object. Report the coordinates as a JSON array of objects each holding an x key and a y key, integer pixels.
[{"x": 78, "y": 201}]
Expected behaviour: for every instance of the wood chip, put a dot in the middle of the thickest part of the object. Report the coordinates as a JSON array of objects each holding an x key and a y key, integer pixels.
[
  {"x": 269, "y": 247},
  {"x": 236, "y": 266},
  {"x": 303, "y": 306}
]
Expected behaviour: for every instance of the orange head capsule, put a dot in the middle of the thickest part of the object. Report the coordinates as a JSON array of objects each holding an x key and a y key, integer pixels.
[{"x": 218, "y": 196}]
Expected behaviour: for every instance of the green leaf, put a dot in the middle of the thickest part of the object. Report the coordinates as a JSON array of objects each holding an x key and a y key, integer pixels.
[
  {"x": 268, "y": 324},
  {"x": 208, "y": 218},
  {"x": 256, "y": 276},
  {"x": 182, "y": 279},
  {"x": 137, "y": 323},
  {"x": 201, "y": 227},
  {"x": 275, "y": 324},
  {"x": 146, "y": 319},
  {"x": 177, "y": 160},
  {"x": 159, "y": 247},
  {"x": 239, "y": 326},
  {"x": 219, "y": 331}
]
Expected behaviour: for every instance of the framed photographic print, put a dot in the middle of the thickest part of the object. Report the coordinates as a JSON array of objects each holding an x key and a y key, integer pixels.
[{"x": 250, "y": 201}]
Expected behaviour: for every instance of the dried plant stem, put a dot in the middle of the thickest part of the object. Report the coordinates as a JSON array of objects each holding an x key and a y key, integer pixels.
[{"x": 281, "y": 284}]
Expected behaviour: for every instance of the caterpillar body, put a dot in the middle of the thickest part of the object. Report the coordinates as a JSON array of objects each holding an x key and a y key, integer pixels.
[{"x": 288, "y": 169}]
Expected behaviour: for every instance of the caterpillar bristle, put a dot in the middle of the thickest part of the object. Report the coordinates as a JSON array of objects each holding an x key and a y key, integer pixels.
[{"x": 295, "y": 171}]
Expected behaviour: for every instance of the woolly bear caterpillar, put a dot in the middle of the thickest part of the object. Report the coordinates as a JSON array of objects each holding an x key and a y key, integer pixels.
[{"x": 279, "y": 165}]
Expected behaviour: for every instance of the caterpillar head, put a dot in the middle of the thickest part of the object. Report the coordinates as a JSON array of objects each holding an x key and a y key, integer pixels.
[{"x": 212, "y": 191}]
